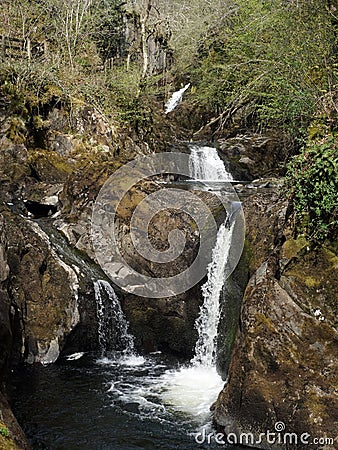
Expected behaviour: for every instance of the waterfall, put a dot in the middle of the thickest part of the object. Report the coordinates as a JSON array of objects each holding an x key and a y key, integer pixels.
[
  {"x": 207, "y": 322},
  {"x": 206, "y": 165},
  {"x": 194, "y": 388},
  {"x": 112, "y": 324},
  {"x": 175, "y": 99}
]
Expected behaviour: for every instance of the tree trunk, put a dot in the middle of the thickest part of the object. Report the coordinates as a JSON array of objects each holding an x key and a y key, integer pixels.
[{"x": 143, "y": 20}]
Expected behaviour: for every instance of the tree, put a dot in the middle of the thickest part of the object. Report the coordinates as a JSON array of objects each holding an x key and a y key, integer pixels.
[{"x": 268, "y": 59}]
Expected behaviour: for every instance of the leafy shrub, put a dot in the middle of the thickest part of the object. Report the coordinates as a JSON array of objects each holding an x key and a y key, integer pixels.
[
  {"x": 269, "y": 62},
  {"x": 312, "y": 183}
]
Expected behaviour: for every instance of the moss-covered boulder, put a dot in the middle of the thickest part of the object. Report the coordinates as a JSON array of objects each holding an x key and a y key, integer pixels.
[
  {"x": 284, "y": 364},
  {"x": 11, "y": 434},
  {"x": 39, "y": 291}
]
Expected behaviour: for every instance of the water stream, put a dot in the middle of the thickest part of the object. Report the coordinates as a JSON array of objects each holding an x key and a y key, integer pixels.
[
  {"x": 112, "y": 323},
  {"x": 206, "y": 165},
  {"x": 120, "y": 400},
  {"x": 175, "y": 99}
]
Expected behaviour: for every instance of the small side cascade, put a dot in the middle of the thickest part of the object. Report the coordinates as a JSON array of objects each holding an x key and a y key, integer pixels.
[
  {"x": 113, "y": 327},
  {"x": 175, "y": 99}
]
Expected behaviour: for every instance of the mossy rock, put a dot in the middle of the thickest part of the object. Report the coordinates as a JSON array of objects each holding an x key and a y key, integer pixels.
[
  {"x": 49, "y": 166},
  {"x": 6, "y": 440},
  {"x": 292, "y": 247}
]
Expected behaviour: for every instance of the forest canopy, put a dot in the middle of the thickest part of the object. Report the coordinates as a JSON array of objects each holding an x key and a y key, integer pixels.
[{"x": 253, "y": 65}]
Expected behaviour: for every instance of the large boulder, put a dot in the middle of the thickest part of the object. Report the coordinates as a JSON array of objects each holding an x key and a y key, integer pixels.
[
  {"x": 39, "y": 292},
  {"x": 284, "y": 364},
  {"x": 254, "y": 155}
]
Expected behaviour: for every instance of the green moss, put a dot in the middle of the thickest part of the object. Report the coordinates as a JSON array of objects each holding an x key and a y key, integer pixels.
[
  {"x": 6, "y": 441},
  {"x": 293, "y": 246},
  {"x": 45, "y": 161},
  {"x": 311, "y": 282},
  {"x": 16, "y": 130},
  {"x": 263, "y": 320},
  {"x": 4, "y": 431}
]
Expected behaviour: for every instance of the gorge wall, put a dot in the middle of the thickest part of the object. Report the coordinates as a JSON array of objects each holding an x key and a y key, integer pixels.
[{"x": 284, "y": 363}]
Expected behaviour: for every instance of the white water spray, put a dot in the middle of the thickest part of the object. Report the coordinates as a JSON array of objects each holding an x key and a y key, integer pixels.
[
  {"x": 206, "y": 165},
  {"x": 207, "y": 322},
  {"x": 175, "y": 99}
]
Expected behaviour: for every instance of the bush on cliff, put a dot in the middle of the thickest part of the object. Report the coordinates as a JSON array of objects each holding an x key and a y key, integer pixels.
[{"x": 312, "y": 183}]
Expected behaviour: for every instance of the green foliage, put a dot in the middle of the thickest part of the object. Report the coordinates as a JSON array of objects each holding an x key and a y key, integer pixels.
[
  {"x": 107, "y": 29},
  {"x": 268, "y": 59},
  {"x": 312, "y": 183},
  {"x": 4, "y": 431},
  {"x": 81, "y": 36},
  {"x": 16, "y": 130}
]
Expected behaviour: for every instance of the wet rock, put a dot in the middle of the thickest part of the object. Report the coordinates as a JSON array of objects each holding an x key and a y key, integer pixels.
[{"x": 165, "y": 325}]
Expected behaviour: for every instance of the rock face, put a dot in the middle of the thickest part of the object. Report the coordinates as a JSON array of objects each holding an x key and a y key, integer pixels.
[
  {"x": 284, "y": 364},
  {"x": 256, "y": 155},
  {"x": 39, "y": 291},
  {"x": 66, "y": 164},
  {"x": 11, "y": 435}
]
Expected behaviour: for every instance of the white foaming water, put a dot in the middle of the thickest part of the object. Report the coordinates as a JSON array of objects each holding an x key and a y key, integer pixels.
[
  {"x": 206, "y": 165},
  {"x": 192, "y": 390},
  {"x": 109, "y": 311},
  {"x": 175, "y": 99},
  {"x": 75, "y": 356},
  {"x": 125, "y": 360},
  {"x": 207, "y": 321}
]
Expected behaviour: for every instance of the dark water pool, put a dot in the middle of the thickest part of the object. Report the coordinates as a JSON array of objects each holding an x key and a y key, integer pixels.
[{"x": 101, "y": 405}]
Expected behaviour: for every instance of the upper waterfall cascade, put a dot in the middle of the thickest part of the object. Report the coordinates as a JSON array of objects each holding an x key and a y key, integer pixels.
[{"x": 175, "y": 99}]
